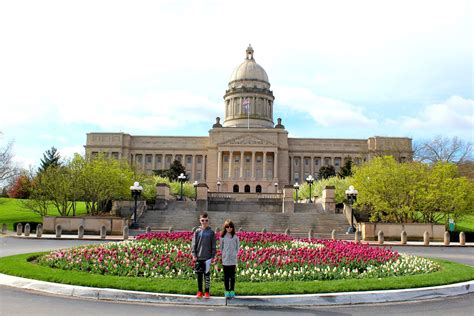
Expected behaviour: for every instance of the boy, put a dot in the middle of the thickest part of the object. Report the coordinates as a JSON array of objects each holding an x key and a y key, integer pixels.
[{"x": 203, "y": 249}]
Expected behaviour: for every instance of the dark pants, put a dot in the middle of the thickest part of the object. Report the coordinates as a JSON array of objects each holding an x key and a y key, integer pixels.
[
  {"x": 200, "y": 275},
  {"x": 229, "y": 278}
]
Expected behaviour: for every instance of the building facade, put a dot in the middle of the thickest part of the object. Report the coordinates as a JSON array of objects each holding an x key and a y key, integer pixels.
[{"x": 247, "y": 152}]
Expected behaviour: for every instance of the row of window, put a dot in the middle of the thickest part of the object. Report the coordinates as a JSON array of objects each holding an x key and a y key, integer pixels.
[
  {"x": 236, "y": 188},
  {"x": 247, "y": 173},
  {"x": 248, "y": 158},
  {"x": 327, "y": 161}
]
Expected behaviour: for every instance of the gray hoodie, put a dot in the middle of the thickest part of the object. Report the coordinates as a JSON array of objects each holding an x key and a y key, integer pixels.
[
  {"x": 204, "y": 244},
  {"x": 230, "y": 249}
]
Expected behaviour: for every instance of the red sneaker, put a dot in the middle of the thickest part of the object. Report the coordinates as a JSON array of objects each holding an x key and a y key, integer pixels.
[
  {"x": 207, "y": 295},
  {"x": 199, "y": 294}
]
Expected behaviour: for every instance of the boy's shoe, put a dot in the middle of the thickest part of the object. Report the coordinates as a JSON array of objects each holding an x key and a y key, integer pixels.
[
  {"x": 232, "y": 294},
  {"x": 207, "y": 295},
  {"x": 199, "y": 294},
  {"x": 227, "y": 294}
]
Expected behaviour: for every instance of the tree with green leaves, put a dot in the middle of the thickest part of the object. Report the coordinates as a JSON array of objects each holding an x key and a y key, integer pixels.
[
  {"x": 326, "y": 172},
  {"x": 346, "y": 170},
  {"x": 173, "y": 172},
  {"x": 51, "y": 157}
]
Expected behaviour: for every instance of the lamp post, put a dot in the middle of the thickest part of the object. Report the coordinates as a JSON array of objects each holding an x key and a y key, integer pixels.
[
  {"x": 136, "y": 190},
  {"x": 195, "y": 184},
  {"x": 218, "y": 186},
  {"x": 276, "y": 187},
  {"x": 181, "y": 179},
  {"x": 296, "y": 186},
  {"x": 351, "y": 195},
  {"x": 310, "y": 181}
]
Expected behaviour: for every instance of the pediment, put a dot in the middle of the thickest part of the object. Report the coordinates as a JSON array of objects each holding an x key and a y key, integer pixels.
[{"x": 248, "y": 140}]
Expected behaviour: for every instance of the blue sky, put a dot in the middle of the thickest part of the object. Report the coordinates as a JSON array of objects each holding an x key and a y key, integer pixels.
[{"x": 338, "y": 69}]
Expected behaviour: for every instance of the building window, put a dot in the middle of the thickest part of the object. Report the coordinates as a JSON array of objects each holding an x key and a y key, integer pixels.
[
  {"x": 226, "y": 158},
  {"x": 296, "y": 161},
  {"x": 316, "y": 162},
  {"x": 138, "y": 158},
  {"x": 199, "y": 159},
  {"x": 247, "y": 158},
  {"x": 337, "y": 162},
  {"x": 247, "y": 188},
  {"x": 327, "y": 161},
  {"x": 178, "y": 158},
  {"x": 259, "y": 158},
  {"x": 258, "y": 189},
  {"x": 259, "y": 173},
  {"x": 158, "y": 159},
  {"x": 247, "y": 173},
  {"x": 236, "y": 188},
  {"x": 306, "y": 161},
  {"x": 226, "y": 173},
  {"x": 168, "y": 159},
  {"x": 115, "y": 155},
  {"x": 237, "y": 159},
  {"x": 189, "y": 160},
  {"x": 198, "y": 175},
  {"x": 236, "y": 173},
  {"x": 148, "y": 158},
  {"x": 269, "y": 174},
  {"x": 297, "y": 177},
  {"x": 269, "y": 159}
]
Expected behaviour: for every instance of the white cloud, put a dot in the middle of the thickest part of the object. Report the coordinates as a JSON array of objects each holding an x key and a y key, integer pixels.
[
  {"x": 68, "y": 152},
  {"x": 453, "y": 116},
  {"x": 324, "y": 110}
]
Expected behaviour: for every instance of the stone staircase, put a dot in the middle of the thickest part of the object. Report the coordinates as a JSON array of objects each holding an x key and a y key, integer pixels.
[{"x": 182, "y": 215}]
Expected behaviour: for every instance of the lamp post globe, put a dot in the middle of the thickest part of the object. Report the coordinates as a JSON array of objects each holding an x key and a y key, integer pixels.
[
  {"x": 181, "y": 179},
  {"x": 195, "y": 185},
  {"x": 310, "y": 181},
  {"x": 296, "y": 186},
  {"x": 351, "y": 195},
  {"x": 276, "y": 187},
  {"x": 136, "y": 190},
  {"x": 218, "y": 186}
]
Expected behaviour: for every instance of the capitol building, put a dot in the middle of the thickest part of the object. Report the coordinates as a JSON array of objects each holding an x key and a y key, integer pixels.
[{"x": 248, "y": 151}]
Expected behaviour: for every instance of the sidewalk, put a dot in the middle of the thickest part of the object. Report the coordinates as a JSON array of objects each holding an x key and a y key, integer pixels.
[{"x": 346, "y": 298}]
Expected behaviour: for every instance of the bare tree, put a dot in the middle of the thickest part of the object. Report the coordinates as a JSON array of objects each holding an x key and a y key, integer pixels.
[
  {"x": 444, "y": 149},
  {"x": 7, "y": 168}
]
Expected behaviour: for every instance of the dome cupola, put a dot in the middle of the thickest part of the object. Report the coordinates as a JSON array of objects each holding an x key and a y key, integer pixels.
[{"x": 249, "y": 100}]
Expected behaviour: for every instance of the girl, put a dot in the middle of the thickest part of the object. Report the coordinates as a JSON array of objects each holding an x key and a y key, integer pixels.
[{"x": 229, "y": 248}]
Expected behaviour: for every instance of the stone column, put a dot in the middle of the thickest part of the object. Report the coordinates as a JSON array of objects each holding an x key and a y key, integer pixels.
[
  {"x": 241, "y": 164},
  {"x": 162, "y": 193},
  {"x": 219, "y": 158},
  {"x": 163, "y": 157},
  {"x": 264, "y": 165},
  {"x": 193, "y": 167},
  {"x": 275, "y": 165},
  {"x": 301, "y": 169},
  {"x": 230, "y": 164},
  {"x": 312, "y": 166},
  {"x": 292, "y": 173},
  {"x": 201, "y": 197},
  {"x": 329, "y": 201},
  {"x": 253, "y": 165},
  {"x": 288, "y": 202}
]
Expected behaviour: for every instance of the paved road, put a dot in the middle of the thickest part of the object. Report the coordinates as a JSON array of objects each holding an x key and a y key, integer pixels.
[{"x": 20, "y": 302}]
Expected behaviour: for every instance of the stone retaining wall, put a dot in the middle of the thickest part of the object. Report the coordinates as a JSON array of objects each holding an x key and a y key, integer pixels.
[
  {"x": 92, "y": 224},
  {"x": 393, "y": 231}
]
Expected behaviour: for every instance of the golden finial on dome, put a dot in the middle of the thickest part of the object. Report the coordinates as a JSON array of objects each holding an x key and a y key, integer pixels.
[{"x": 249, "y": 52}]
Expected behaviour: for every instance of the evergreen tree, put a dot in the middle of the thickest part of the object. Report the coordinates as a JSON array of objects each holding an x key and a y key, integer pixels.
[
  {"x": 173, "y": 172},
  {"x": 346, "y": 170},
  {"x": 51, "y": 157},
  {"x": 326, "y": 172}
]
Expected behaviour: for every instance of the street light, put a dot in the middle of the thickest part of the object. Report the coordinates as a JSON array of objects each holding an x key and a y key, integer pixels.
[
  {"x": 195, "y": 184},
  {"x": 310, "y": 181},
  {"x": 218, "y": 186},
  {"x": 136, "y": 190},
  {"x": 296, "y": 186},
  {"x": 276, "y": 187},
  {"x": 351, "y": 195},
  {"x": 181, "y": 178}
]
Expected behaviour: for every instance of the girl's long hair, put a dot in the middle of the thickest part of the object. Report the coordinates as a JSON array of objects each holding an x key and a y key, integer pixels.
[{"x": 229, "y": 223}]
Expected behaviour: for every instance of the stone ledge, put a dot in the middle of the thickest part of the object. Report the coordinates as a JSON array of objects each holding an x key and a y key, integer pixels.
[{"x": 270, "y": 300}]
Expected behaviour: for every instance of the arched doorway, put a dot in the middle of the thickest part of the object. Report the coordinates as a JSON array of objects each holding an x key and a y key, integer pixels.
[
  {"x": 258, "y": 189},
  {"x": 236, "y": 188},
  {"x": 247, "y": 188}
]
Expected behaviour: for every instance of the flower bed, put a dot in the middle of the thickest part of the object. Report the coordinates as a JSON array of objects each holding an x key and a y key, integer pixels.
[{"x": 263, "y": 257}]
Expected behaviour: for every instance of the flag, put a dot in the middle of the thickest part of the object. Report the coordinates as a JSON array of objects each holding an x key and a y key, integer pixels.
[{"x": 245, "y": 104}]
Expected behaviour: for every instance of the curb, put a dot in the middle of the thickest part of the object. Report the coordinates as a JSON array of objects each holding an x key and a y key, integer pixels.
[{"x": 345, "y": 298}]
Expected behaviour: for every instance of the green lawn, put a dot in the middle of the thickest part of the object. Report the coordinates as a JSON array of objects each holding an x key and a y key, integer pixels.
[
  {"x": 12, "y": 210},
  {"x": 466, "y": 224},
  {"x": 23, "y": 266}
]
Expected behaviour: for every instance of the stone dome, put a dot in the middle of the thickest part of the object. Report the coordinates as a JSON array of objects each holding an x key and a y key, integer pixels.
[{"x": 249, "y": 70}]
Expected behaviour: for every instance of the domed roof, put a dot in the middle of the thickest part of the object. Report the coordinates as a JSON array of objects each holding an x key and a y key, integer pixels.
[{"x": 249, "y": 69}]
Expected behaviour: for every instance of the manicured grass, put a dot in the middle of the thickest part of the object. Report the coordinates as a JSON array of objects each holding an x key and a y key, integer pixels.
[
  {"x": 21, "y": 265},
  {"x": 466, "y": 224},
  {"x": 12, "y": 211}
]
